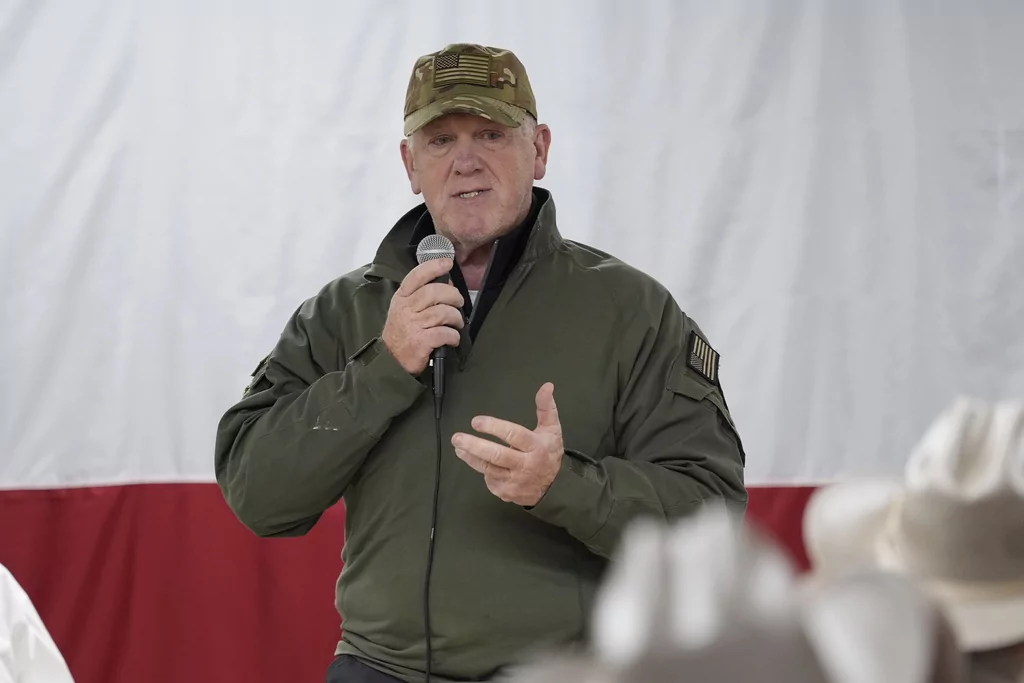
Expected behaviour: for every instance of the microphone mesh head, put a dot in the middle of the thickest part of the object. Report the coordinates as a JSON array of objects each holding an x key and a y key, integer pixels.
[{"x": 433, "y": 247}]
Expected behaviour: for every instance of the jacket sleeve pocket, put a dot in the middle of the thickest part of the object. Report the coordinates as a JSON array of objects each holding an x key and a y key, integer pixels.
[{"x": 683, "y": 383}]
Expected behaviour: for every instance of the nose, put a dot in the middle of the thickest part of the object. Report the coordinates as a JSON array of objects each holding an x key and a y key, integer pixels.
[{"x": 466, "y": 161}]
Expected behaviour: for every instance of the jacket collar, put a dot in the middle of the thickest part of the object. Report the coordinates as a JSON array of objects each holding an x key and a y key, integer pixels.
[{"x": 533, "y": 239}]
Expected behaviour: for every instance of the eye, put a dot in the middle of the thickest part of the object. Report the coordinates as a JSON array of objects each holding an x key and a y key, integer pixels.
[
  {"x": 492, "y": 135},
  {"x": 440, "y": 140}
]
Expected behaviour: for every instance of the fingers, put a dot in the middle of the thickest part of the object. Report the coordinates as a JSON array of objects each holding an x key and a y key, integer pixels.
[
  {"x": 482, "y": 466},
  {"x": 497, "y": 479},
  {"x": 424, "y": 273},
  {"x": 442, "y": 314},
  {"x": 436, "y": 337},
  {"x": 547, "y": 411},
  {"x": 514, "y": 435},
  {"x": 488, "y": 451},
  {"x": 433, "y": 294}
]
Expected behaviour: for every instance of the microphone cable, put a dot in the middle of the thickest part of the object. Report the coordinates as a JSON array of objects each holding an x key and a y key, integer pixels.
[
  {"x": 431, "y": 247},
  {"x": 438, "y": 399}
]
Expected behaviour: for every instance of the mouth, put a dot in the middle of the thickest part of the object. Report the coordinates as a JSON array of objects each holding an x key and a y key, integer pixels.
[{"x": 471, "y": 194}]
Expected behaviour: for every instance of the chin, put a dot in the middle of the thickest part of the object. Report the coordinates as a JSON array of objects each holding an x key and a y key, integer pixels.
[
  {"x": 473, "y": 238},
  {"x": 474, "y": 232}
]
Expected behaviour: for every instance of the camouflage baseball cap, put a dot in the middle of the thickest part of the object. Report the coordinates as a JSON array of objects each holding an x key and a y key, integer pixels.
[{"x": 473, "y": 79}]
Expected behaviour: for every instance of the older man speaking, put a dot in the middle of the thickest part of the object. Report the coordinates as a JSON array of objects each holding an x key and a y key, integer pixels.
[{"x": 479, "y": 522}]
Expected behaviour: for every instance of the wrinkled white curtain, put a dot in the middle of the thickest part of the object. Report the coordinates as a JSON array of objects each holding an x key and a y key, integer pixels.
[{"x": 833, "y": 190}]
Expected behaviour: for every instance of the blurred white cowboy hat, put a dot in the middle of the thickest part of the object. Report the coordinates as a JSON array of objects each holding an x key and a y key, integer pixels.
[
  {"x": 705, "y": 599},
  {"x": 955, "y": 522},
  {"x": 874, "y": 626},
  {"x": 710, "y": 599},
  {"x": 680, "y": 587}
]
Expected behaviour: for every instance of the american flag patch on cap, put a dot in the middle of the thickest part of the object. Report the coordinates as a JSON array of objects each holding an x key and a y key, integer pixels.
[
  {"x": 703, "y": 358},
  {"x": 451, "y": 68}
]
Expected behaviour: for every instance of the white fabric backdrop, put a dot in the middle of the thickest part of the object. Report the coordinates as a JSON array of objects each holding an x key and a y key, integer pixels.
[{"x": 833, "y": 190}]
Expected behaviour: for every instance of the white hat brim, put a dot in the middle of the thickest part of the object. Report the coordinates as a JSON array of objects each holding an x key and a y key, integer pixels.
[
  {"x": 844, "y": 530},
  {"x": 986, "y": 625},
  {"x": 992, "y": 617},
  {"x": 842, "y": 523}
]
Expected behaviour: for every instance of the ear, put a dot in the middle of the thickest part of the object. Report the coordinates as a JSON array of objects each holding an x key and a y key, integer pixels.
[
  {"x": 541, "y": 145},
  {"x": 410, "y": 166}
]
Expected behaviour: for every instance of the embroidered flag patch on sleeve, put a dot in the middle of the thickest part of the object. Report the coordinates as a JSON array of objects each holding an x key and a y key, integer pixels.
[{"x": 703, "y": 358}]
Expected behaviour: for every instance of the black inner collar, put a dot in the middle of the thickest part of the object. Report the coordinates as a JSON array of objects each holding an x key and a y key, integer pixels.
[{"x": 506, "y": 253}]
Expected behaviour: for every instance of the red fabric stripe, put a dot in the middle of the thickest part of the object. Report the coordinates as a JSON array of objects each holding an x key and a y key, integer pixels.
[
  {"x": 779, "y": 511},
  {"x": 160, "y": 583}
]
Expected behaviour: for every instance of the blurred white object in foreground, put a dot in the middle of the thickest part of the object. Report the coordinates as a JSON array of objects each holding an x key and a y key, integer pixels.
[
  {"x": 27, "y": 652},
  {"x": 954, "y": 524},
  {"x": 710, "y": 599}
]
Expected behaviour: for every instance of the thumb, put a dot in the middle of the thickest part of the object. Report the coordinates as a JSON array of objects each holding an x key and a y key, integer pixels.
[{"x": 547, "y": 411}]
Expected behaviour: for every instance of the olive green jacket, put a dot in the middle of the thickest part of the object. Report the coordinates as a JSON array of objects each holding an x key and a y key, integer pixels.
[{"x": 331, "y": 415}]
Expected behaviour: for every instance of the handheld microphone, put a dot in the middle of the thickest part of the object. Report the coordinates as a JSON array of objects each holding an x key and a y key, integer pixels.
[{"x": 434, "y": 247}]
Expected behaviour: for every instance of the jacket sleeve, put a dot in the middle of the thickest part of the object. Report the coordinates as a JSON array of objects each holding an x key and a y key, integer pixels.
[
  {"x": 677, "y": 445},
  {"x": 287, "y": 451}
]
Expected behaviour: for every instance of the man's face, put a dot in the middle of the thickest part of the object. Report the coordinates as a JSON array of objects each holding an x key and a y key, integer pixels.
[{"x": 476, "y": 176}]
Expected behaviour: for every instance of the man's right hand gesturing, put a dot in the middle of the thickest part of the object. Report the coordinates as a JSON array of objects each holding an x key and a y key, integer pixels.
[{"x": 423, "y": 315}]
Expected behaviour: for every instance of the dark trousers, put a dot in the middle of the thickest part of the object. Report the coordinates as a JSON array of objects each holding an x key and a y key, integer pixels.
[{"x": 348, "y": 669}]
